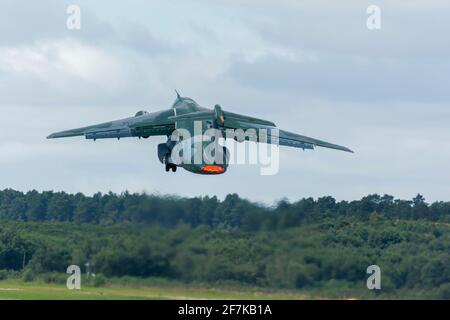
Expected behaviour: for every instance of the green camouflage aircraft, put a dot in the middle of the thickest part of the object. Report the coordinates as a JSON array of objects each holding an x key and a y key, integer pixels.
[{"x": 185, "y": 114}]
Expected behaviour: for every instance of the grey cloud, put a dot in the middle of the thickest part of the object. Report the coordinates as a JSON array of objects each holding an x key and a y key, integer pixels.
[
  {"x": 408, "y": 30},
  {"x": 24, "y": 22},
  {"x": 349, "y": 78}
]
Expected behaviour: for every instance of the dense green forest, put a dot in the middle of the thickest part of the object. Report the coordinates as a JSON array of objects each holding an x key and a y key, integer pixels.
[{"x": 316, "y": 245}]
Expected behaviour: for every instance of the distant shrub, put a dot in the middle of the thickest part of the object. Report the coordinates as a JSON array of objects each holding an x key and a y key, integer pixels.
[
  {"x": 53, "y": 277},
  {"x": 28, "y": 275},
  {"x": 99, "y": 280},
  {"x": 8, "y": 274}
]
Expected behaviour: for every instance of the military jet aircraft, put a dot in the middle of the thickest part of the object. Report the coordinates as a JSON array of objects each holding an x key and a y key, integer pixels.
[{"x": 182, "y": 115}]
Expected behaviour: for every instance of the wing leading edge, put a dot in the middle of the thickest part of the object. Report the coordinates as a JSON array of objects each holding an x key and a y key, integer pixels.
[
  {"x": 139, "y": 126},
  {"x": 290, "y": 139}
]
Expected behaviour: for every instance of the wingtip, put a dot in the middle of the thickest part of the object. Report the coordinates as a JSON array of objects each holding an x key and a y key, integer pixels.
[
  {"x": 54, "y": 135},
  {"x": 347, "y": 150}
]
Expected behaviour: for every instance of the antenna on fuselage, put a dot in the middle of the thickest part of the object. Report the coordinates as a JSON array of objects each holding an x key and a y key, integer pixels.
[{"x": 178, "y": 95}]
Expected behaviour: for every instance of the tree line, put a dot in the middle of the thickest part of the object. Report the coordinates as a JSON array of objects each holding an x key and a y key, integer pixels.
[{"x": 232, "y": 212}]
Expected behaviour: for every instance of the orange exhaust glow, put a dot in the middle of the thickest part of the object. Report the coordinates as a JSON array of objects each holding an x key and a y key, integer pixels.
[{"x": 213, "y": 169}]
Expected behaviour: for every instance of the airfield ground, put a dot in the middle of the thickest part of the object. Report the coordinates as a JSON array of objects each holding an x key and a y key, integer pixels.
[{"x": 16, "y": 289}]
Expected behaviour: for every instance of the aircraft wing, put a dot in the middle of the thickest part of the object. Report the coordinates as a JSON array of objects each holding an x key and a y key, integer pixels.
[
  {"x": 102, "y": 129},
  {"x": 285, "y": 138},
  {"x": 164, "y": 124},
  {"x": 144, "y": 126}
]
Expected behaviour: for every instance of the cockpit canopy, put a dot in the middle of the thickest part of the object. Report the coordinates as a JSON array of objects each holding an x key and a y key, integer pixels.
[{"x": 141, "y": 113}]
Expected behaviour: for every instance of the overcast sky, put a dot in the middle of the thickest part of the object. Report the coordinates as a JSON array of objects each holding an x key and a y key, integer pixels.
[{"x": 311, "y": 66}]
